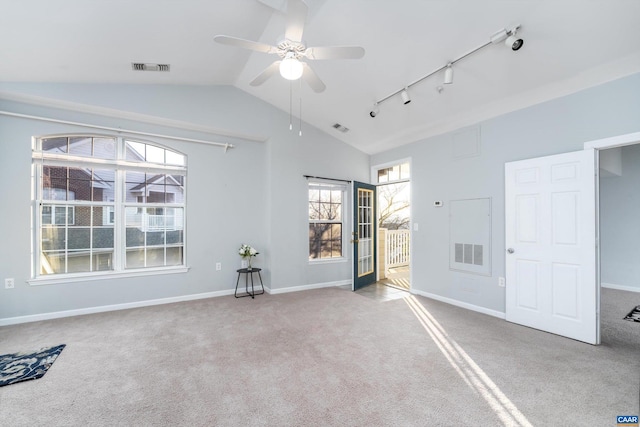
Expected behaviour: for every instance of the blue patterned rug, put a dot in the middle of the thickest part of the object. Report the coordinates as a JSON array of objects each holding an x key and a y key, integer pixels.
[
  {"x": 27, "y": 366},
  {"x": 634, "y": 315}
]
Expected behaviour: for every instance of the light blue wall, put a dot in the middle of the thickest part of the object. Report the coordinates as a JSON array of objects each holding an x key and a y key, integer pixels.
[
  {"x": 253, "y": 194},
  {"x": 620, "y": 223},
  {"x": 553, "y": 127},
  {"x": 256, "y": 193}
]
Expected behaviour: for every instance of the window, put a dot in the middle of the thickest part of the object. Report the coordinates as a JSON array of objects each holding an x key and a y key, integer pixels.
[
  {"x": 106, "y": 204},
  {"x": 325, "y": 220},
  {"x": 400, "y": 172}
]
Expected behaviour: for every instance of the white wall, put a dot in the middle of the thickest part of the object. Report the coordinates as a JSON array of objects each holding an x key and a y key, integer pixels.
[
  {"x": 620, "y": 223},
  {"x": 557, "y": 126},
  {"x": 253, "y": 194}
]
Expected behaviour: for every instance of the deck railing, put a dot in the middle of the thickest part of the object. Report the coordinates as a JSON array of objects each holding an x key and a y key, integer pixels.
[
  {"x": 147, "y": 222},
  {"x": 397, "y": 248}
]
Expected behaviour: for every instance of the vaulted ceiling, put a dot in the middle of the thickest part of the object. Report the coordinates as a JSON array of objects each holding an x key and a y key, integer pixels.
[{"x": 569, "y": 45}]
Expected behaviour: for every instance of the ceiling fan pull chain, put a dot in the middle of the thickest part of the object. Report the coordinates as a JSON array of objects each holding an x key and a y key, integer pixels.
[
  {"x": 291, "y": 105},
  {"x": 300, "y": 127}
]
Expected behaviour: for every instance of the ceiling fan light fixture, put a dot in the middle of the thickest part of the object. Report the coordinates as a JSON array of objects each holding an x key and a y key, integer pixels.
[{"x": 291, "y": 68}]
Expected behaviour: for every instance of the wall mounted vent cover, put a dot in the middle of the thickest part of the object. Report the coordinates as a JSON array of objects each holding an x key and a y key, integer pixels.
[{"x": 140, "y": 66}]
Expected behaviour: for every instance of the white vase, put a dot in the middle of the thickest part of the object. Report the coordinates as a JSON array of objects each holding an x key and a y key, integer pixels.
[{"x": 244, "y": 263}]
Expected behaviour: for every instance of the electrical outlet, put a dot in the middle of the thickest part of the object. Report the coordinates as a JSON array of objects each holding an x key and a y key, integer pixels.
[
  {"x": 501, "y": 282},
  {"x": 9, "y": 283},
  {"x": 218, "y": 266}
]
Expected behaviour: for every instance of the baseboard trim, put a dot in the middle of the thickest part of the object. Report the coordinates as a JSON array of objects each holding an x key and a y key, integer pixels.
[
  {"x": 472, "y": 307},
  {"x": 619, "y": 287},
  {"x": 147, "y": 303},
  {"x": 115, "y": 307},
  {"x": 308, "y": 287}
]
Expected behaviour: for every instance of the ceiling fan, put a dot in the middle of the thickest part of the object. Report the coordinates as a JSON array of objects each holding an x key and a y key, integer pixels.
[{"x": 292, "y": 51}]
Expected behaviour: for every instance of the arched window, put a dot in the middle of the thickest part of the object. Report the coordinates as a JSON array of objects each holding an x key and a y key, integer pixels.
[{"x": 105, "y": 205}]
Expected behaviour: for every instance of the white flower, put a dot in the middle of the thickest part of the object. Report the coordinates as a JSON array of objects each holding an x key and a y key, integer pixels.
[{"x": 247, "y": 251}]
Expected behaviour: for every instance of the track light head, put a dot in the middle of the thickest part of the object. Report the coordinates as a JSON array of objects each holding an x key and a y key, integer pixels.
[
  {"x": 509, "y": 38},
  {"x": 405, "y": 96},
  {"x": 448, "y": 74},
  {"x": 374, "y": 112},
  {"x": 513, "y": 42}
]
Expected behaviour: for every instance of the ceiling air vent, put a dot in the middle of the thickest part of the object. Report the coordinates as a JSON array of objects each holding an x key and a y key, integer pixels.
[
  {"x": 341, "y": 128},
  {"x": 139, "y": 66}
]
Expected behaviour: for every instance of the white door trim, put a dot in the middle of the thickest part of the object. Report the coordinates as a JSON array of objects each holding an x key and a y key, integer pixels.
[
  {"x": 614, "y": 141},
  {"x": 374, "y": 180},
  {"x": 597, "y": 145}
]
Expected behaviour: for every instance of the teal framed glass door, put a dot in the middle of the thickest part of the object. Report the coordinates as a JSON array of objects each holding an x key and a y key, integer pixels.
[{"x": 364, "y": 234}]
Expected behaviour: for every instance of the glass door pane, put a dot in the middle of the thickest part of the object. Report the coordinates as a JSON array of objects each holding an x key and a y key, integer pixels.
[{"x": 365, "y": 232}]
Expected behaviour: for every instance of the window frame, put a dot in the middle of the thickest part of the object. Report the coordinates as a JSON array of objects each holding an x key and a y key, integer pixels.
[
  {"x": 375, "y": 172},
  {"x": 119, "y": 165},
  {"x": 344, "y": 209}
]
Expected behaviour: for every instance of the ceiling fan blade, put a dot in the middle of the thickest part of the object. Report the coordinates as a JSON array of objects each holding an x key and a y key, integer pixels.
[
  {"x": 312, "y": 78},
  {"x": 334, "y": 52},
  {"x": 266, "y": 74},
  {"x": 245, "y": 44},
  {"x": 296, "y": 16}
]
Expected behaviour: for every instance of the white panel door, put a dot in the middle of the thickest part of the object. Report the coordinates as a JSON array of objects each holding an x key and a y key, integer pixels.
[{"x": 550, "y": 221}]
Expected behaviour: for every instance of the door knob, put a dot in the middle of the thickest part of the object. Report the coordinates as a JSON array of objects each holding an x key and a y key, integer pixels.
[
  {"x": 510, "y": 250},
  {"x": 355, "y": 241}
]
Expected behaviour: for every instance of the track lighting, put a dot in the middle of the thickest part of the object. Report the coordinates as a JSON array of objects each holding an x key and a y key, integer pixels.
[
  {"x": 507, "y": 36},
  {"x": 374, "y": 112},
  {"x": 513, "y": 42},
  {"x": 405, "y": 96},
  {"x": 448, "y": 75}
]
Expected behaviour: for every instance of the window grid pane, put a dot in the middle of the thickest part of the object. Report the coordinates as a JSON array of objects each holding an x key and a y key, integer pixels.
[
  {"x": 77, "y": 242},
  {"x": 150, "y": 232}
]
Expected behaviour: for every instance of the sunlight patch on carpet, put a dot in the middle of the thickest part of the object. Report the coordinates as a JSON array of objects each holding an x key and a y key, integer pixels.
[
  {"x": 19, "y": 367},
  {"x": 468, "y": 370}
]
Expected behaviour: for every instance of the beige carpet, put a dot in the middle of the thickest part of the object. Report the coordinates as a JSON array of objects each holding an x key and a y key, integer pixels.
[{"x": 322, "y": 357}]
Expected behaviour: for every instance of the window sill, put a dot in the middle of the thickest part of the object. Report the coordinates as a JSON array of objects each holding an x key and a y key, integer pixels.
[
  {"x": 328, "y": 261},
  {"x": 84, "y": 277}
]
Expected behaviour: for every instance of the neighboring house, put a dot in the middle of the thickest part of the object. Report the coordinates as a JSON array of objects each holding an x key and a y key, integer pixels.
[{"x": 157, "y": 189}]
